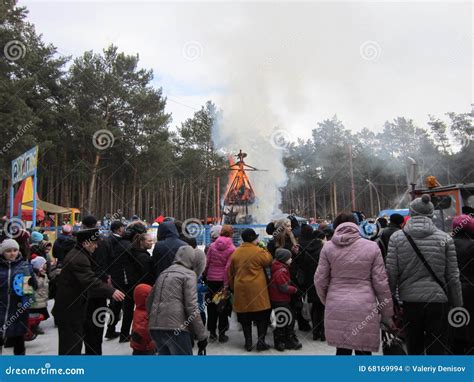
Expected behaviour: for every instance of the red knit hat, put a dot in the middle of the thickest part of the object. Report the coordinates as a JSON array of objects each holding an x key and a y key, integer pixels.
[{"x": 464, "y": 223}]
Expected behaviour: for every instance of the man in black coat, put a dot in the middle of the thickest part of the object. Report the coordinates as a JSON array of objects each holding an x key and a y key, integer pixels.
[
  {"x": 76, "y": 283},
  {"x": 396, "y": 223},
  {"x": 311, "y": 243},
  {"x": 166, "y": 247},
  {"x": 126, "y": 273}
]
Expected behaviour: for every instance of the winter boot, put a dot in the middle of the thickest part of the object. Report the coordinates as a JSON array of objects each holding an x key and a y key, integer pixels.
[
  {"x": 247, "y": 329},
  {"x": 111, "y": 334},
  {"x": 291, "y": 341},
  {"x": 124, "y": 338},
  {"x": 262, "y": 346},
  {"x": 323, "y": 336},
  {"x": 212, "y": 336},
  {"x": 279, "y": 339},
  {"x": 223, "y": 338},
  {"x": 262, "y": 332}
]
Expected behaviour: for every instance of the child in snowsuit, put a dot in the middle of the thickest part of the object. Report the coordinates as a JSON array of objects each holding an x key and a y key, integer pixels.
[
  {"x": 141, "y": 341},
  {"x": 40, "y": 306},
  {"x": 281, "y": 290},
  {"x": 16, "y": 295}
]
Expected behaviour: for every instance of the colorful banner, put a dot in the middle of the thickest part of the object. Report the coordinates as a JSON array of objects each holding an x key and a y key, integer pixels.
[{"x": 25, "y": 165}]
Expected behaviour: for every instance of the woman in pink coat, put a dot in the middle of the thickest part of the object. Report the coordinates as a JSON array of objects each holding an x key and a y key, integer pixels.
[
  {"x": 352, "y": 283},
  {"x": 218, "y": 257}
]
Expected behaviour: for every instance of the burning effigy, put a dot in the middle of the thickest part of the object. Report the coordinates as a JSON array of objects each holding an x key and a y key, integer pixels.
[{"x": 240, "y": 193}]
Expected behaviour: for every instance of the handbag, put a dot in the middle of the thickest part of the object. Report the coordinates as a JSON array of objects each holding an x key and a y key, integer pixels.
[
  {"x": 307, "y": 306},
  {"x": 391, "y": 344},
  {"x": 222, "y": 300},
  {"x": 425, "y": 263}
]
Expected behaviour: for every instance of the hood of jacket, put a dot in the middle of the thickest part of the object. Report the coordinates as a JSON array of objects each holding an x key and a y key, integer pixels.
[
  {"x": 223, "y": 243},
  {"x": 277, "y": 265},
  {"x": 420, "y": 226},
  {"x": 346, "y": 234},
  {"x": 167, "y": 230},
  {"x": 193, "y": 259},
  {"x": 140, "y": 294}
]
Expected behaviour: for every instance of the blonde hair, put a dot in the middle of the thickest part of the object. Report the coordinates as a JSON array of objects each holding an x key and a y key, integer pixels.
[{"x": 281, "y": 233}]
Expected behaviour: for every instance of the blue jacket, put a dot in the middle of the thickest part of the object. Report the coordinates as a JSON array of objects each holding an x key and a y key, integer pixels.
[
  {"x": 166, "y": 247},
  {"x": 13, "y": 307}
]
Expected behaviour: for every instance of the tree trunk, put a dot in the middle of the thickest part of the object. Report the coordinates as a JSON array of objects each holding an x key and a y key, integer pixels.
[{"x": 90, "y": 199}]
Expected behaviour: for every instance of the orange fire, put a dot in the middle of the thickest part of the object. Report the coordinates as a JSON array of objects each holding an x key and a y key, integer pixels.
[{"x": 239, "y": 190}]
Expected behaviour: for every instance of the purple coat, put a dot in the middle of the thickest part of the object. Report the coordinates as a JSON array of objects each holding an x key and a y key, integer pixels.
[
  {"x": 218, "y": 256},
  {"x": 351, "y": 282}
]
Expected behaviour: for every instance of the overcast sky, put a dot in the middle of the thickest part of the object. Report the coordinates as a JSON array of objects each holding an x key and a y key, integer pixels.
[{"x": 366, "y": 62}]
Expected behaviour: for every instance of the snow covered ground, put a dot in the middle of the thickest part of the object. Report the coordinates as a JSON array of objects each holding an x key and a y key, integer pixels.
[{"x": 47, "y": 344}]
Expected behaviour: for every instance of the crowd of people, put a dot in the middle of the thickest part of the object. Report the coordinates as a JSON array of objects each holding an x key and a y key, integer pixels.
[{"x": 170, "y": 295}]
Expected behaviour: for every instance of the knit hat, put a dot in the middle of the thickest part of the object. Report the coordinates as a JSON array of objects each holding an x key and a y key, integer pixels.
[
  {"x": 464, "y": 223},
  {"x": 396, "y": 219},
  {"x": 216, "y": 231},
  {"x": 422, "y": 207},
  {"x": 249, "y": 235},
  {"x": 282, "y": 255},
  {"x": 87, "y": 235},
  {"x": 38, "y": 262},
  {"x": 8, "y": 244},
  {"x": 36, "y": 237}
]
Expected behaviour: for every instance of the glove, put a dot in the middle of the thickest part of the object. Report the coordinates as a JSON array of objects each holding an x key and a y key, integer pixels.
[{"x": 202, "y": 345}]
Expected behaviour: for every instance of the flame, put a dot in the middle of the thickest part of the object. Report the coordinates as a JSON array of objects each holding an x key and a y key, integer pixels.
[
  {"x": 230, "y": 177},
  {"x": 238, "y": 185}
]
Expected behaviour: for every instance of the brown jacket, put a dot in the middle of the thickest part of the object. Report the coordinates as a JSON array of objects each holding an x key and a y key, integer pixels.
[{"x": 247, "y": 278}]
